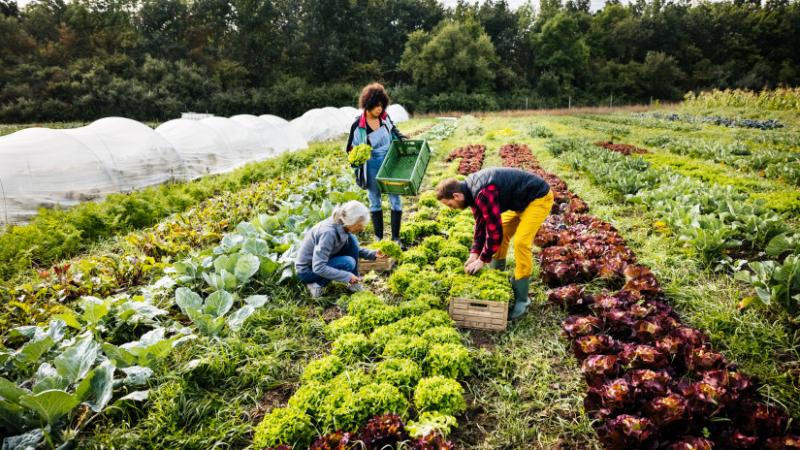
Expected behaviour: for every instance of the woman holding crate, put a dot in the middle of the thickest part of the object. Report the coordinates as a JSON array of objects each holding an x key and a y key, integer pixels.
[{"x": 375, "y": 129}]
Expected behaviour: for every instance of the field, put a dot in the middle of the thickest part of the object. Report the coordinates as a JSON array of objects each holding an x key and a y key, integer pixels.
[{"x": 185, "y": 330}]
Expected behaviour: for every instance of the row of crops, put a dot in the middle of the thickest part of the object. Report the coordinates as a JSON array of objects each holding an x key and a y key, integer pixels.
[
  {"x": 653, "y": 382},
  {"x": 719, "y": 224},
  {"x": 192, "y": 336}
]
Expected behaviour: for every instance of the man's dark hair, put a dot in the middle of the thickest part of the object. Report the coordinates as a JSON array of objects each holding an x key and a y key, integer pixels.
[
  {"x": 446, "y": 188},
  {"x": 373, "y": 95}
]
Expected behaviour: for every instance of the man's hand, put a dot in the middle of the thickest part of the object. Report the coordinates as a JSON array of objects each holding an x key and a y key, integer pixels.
[
  {"x": 475, "y": 267},
  {"x": 472, "y": 258},
  {"x": 354, "y": 280}
]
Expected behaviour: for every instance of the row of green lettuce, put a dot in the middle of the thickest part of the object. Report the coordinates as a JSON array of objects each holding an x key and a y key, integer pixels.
[
  {"x": 398, "y": 355},
  {"x": 55, "y": 378},
  {"x": 724, "y": 227}
]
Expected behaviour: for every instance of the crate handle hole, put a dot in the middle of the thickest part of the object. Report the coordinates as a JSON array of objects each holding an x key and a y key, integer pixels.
[{"x": 478, "y": 305}]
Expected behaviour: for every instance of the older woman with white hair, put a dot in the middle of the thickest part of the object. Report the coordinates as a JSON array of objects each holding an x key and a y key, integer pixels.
[{"x": 330, "y": 251}]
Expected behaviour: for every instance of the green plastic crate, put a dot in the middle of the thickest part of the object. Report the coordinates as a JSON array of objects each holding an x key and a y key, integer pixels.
[{"x": 403, "y": 168}]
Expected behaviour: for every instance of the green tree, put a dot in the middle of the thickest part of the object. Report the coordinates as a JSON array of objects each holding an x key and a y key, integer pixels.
[{"x": 457, "y": 57}]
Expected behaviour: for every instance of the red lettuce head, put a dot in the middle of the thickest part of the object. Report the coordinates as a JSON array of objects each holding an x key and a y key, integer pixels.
[
  {"x": 705, "y": 399},
  {"x": 576, "y": 326},
  {"x": 432, "y": 441},
  {"x": 692, "y": 443},
  {"x": 698, "y": 359},
  {"x": 333, "y": 441},
  {"x": 649, "y": 383},
  {"x": 594, "y": 344},
  {"x": 763, "y": 420},
  {"x": 640, "y": 356},
  {"x": 736, "y": 440},
  {"x": 379, "y": 431},
  {"x": 790, "y": 442},
  {"x": 598, "y": 368},
  {"x": 641, "y": 279},
  {"x": 667, "y": 410},
  {"x": 614, "y": 395},
  {"x": 626, "y": 432},
  {"x": 572, "y": 296}
]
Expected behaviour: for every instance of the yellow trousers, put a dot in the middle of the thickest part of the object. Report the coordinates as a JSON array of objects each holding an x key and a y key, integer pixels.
[{"x": 523, "y": 226}]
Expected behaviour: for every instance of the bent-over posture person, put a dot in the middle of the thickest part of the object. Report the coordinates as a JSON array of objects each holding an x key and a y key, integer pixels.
[
  {"x": 330, "y": 250},
  {"x": 506, "y": 203}
]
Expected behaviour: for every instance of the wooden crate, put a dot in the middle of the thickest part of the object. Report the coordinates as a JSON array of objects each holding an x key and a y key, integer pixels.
[
  {"x": 479, "y": 314},
  {"x": 379, "y": 265}
]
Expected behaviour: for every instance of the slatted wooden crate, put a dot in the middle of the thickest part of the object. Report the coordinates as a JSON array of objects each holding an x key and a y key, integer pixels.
[
  {"x": 379, "y": 265},
  {"x": 479, "y": 314}
]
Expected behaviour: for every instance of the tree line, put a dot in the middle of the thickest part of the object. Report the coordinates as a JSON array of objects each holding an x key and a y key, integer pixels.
[{"x": 152, "y": 59}]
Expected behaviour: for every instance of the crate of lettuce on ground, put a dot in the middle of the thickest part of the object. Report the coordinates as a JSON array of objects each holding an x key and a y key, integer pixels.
[
  {"x": 404, "y": 167},
  {"x": 392, "y": 251},
  {"x": 481, "y": 302}
]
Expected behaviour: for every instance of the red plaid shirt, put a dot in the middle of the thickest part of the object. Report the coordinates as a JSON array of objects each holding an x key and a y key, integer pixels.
[{"x": 488, "y": 223}]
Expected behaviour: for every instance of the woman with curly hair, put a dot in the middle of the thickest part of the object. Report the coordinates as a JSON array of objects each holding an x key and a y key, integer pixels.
[{"x": 374, "y": 128}]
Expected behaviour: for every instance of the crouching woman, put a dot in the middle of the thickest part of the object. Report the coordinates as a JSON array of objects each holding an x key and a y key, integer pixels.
[{"x": 330, "y": 250}]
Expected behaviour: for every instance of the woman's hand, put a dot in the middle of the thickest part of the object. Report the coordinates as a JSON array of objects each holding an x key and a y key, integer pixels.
[
  {"x": 354, "y": 280},
  {"x": 472, "y": 258},
  {"x": 474, "y": 267},
  {"x": 380, "y": 255}
]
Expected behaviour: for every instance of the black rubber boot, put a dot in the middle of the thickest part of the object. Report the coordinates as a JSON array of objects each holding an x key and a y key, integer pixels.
[
  {"x": 397, "y": 217},
  {"x": 377, "y": 223}
]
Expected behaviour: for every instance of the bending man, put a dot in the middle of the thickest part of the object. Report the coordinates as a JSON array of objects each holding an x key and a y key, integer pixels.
[{"x": 506, "y": 203}]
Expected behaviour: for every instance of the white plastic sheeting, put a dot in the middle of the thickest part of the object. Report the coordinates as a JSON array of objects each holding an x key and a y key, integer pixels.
[
  {"x": 274, "y": 120},
  {"x": 42, "y": 167},
  {"x": 203, "y": 150},
  {"x": 244, "y": 145},
  {"x": 135, "y": 155},
  {"x": 397, "y": 113}
]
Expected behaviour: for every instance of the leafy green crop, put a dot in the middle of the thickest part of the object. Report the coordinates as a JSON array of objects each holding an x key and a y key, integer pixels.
[
  {"x": 323, "y": 369},
  {"x": 359, "y": 154},
  {"x": 440, "y": 394},
  {"x": 284, "y": 425},
  {"x": 448, "y": 360}
]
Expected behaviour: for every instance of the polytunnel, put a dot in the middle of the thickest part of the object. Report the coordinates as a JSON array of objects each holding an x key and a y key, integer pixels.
[
  {"x": 244, "y": 144},
  {"x": 270, "y": 135},
  {"x": 274, "y": 120},
  {"x": 397, "y": 113},
  {"x": 135, "y": 155},
  {"x": 291, "y": 138},
  {"x": 320, "y": 124},
  {"x": 42, "y": 167},
  {"x": 203, "y": 150}
]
